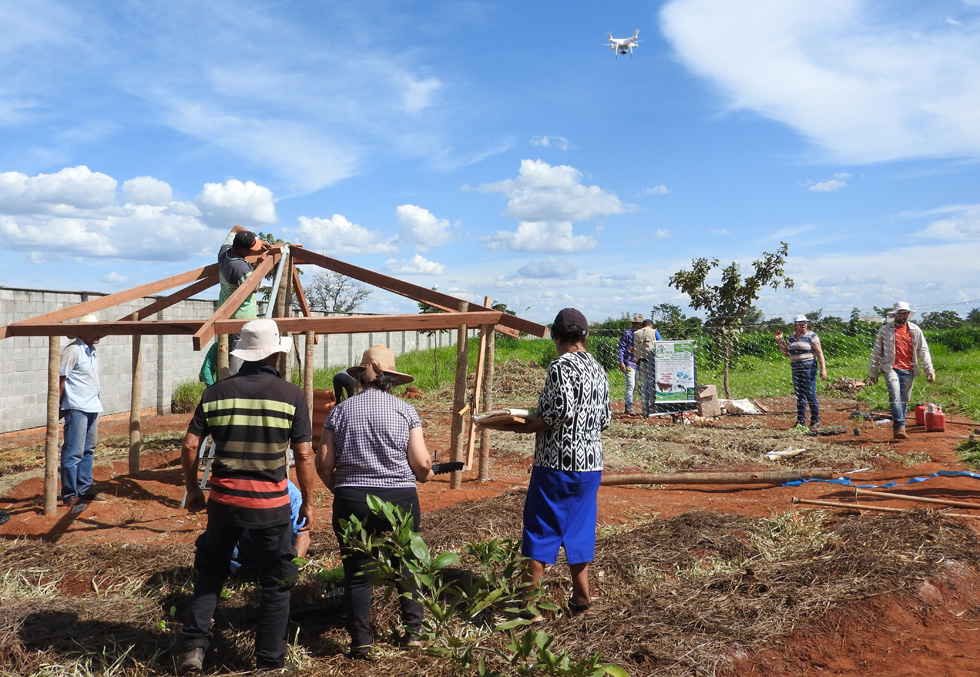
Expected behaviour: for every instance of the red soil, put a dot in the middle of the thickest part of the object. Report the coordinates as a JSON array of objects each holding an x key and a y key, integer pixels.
[{"x": 932, "y": 631}]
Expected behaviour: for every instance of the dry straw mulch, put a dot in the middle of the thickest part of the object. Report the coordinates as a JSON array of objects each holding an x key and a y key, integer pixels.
[{"x": 673, "y": 597}]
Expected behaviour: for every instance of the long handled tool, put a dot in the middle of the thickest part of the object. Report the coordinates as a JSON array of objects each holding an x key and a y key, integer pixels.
[{"x": 205, "y": 452}]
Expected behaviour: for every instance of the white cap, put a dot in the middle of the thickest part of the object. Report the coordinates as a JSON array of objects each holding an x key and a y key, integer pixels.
[
  {"x": 800, "y": 318},
  {"x": 260, "y": 338}
]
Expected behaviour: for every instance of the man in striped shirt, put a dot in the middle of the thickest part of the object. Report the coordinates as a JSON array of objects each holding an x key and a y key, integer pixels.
[{"x": 253, "y": 417}]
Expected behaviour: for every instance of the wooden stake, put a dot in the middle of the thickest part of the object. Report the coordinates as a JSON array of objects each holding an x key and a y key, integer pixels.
[
  {"x": 921, "y": 499},
  {"x": 459, "y": 401},
  {"x": 136, "y": 403},
  {"x": 865, "y": 506},
  {"x": 484, "y": 471},
  {"x": 485, "y": 330},
  {"x": 308, "y": 374}
]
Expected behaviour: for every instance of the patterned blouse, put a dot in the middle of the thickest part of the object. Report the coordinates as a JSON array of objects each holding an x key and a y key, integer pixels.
[
  {"x": 575, "y": 405},
  {"x": 370, "y": 433}
]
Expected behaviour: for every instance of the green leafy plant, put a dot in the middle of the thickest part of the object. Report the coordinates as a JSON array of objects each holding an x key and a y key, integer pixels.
[{"x": 466, "y": 607}]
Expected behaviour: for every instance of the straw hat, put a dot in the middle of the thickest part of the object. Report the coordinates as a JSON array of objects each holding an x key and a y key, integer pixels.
[
  {"x": 376, "y": 360},
  {"x": 260, "y": 338}
]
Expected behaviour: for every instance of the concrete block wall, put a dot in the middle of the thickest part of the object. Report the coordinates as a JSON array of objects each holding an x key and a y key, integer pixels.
[{"x": 167, "y": 360}]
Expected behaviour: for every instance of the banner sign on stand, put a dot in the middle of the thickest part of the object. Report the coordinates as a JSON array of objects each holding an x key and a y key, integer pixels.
[{"x": 676, "y": 384}]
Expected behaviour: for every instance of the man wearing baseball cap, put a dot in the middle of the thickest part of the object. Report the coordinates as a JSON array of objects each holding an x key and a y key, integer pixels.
[
  {"x": 233, "y": 269},
  {"x": 899, "y": 352},
  {"x": 254, "y": 417}
]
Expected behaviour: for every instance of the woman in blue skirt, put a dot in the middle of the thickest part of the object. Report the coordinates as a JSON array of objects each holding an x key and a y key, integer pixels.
[{"x": 561, "y": 508}]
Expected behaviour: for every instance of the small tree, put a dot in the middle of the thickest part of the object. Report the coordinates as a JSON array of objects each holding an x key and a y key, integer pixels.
[
  {"x": 332, "y": 292},
  {"x": 729, "y": 302}
]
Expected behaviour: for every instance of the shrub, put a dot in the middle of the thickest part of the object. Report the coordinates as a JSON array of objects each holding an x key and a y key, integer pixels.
[{"x": 185, "y": 396}]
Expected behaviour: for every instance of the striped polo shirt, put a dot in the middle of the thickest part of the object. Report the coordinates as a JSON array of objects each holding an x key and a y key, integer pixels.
[{"x": 253, "y": 417}]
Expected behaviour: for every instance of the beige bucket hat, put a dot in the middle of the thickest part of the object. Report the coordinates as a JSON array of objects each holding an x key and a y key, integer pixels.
[{"x": 376, "y": 360}]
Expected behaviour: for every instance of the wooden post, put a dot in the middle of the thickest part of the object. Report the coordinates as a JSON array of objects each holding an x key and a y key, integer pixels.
[
  {"x": 222, "y": 340},
  {"x": 136, "y": 403},
  {"x": 51, "y": 435},
  {"x": 459, "y": 401},
  {"x": 487, "y": 406},
  {"x": 308, "y": 372},
  {"x": 282, "y": 309}
]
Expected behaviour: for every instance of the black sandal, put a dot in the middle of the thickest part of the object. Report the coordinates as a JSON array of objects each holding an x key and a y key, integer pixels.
[{"x": 578, "y": 609}]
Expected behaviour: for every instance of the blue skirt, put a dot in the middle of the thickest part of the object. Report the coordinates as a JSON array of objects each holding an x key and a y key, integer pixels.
[{"x": 561, "y": 510}]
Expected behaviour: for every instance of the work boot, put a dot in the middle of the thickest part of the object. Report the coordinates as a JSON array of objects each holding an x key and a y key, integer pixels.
[
  {"x": 192, "y": 663},
  {"x": 900, "y": 434}
]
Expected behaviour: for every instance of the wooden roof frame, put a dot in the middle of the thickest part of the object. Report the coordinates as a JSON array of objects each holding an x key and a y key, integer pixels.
[{"x": 58, "y": 322}]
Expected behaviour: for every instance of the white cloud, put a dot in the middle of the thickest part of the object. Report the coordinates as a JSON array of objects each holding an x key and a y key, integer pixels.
[
  {"x": 543, "y": 192},
  {"x": 77, "y": 213},
  {"x": 865, "y": 82},
  {"x": 148, "y": 191},
  {"x": 964, "y": 224},
  {"x": 417, "y": 265},
  {"x": 420, "y": 228},
  {"x": 559, "y": 142},
  {"x": 552, "y": 268},
  {"x": 657, "y": 190},
  {"x": 541, "y": 237},
  {"x": 719, "y": 231},
  {"x": 827, "y": 186},
  {"x": 234, "y": 202},
  {"x": 337, "y": 235}
]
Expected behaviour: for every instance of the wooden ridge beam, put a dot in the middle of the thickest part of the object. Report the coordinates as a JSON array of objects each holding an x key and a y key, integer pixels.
[{"x": 508, "y": 323}]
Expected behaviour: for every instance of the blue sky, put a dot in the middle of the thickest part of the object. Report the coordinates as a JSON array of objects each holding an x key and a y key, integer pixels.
[{"x": 498, "y": 148}]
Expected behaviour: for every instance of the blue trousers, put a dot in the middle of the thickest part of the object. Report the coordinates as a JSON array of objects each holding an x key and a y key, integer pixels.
[
  {"x": 805, "y": 385},
  {"x": 899, "y": 382},
  {"x": 78, "y": 452}
]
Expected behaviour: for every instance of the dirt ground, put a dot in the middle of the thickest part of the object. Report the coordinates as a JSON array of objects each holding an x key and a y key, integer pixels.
[{"x": 929, "y": 631}]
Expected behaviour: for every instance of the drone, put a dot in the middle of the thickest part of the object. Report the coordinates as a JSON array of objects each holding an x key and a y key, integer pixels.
[{"x": 623, "y": 45}]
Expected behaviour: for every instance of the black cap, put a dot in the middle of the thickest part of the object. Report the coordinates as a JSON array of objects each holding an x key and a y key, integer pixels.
[
  {"x": 570, "y": 316},
  {"x": 244, "y": 239}
]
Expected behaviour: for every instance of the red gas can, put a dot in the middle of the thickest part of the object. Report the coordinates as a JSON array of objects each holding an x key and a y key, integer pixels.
[
  {"x": 936, "y": 421},
  {"x": 920, "y": 414}
]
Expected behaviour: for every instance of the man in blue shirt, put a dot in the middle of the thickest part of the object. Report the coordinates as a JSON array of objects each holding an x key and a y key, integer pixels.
[
  {"x": 627, "y": 365},
  {"x": 80, "y": 405}
]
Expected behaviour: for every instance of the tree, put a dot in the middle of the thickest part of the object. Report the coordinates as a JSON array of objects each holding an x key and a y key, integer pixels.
[
  {"x": 729, "y": 302},
  {"x": 332, "y": 292},
  {"x": 666, "y": 315},
  {"x": 941, "y": 319},
  {"x": 973, "y": 317}
]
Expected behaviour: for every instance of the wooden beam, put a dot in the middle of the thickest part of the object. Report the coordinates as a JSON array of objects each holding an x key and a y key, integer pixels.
[
  {"x": 178, "y": 296},
  {"x": 248, "y": 286},
  {"x": 136, "y": 404},
  {"x": 320, "y": 325},
  {"x": 436, "y": 299},
  {"x": 104, "y": 302}
]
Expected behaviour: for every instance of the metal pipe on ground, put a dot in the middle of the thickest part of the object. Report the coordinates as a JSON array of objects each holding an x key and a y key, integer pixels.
[{"x": 751, "y": 477}]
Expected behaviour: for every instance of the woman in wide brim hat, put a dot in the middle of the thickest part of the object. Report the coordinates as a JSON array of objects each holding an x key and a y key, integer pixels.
[{"x": 372, "y": 444}]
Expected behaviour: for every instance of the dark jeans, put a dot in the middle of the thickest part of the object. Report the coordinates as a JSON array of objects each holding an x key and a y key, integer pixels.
[
  {"x": 277, "y": 574},
  {"x": 359, "y": 568},
  {"x": 805, "y": 385}
]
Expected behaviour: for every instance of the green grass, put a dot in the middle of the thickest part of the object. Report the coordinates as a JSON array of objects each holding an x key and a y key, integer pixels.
[{"x": 761, "y": 372}]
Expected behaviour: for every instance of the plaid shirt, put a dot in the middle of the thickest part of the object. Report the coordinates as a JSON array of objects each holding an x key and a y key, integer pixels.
[{"x": 370, "y": 432}]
